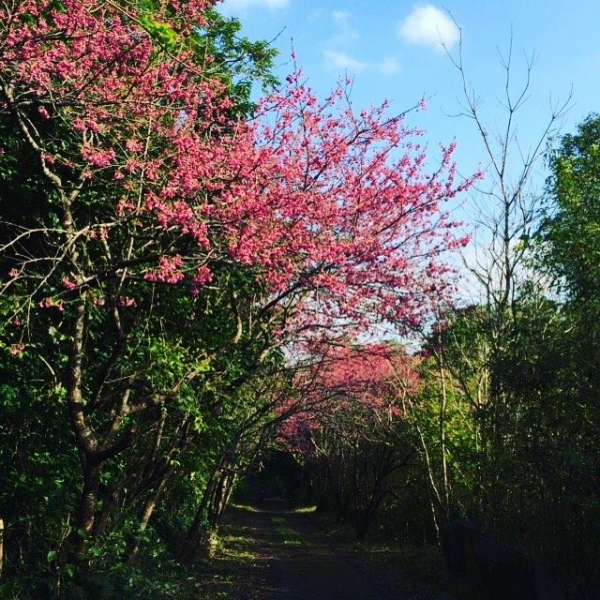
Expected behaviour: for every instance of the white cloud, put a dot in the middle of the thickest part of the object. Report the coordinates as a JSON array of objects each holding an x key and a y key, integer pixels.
[
  {"x": 341, "y": 60},
  {"x": 345, "y": 62},
  {"x": 244, "y": 4},
  {"x": 389, "y": 66},
  {"x": 429, "y": 26},
  {"x": 342, "y": 20},
  {"x": 344, "y": 36}
]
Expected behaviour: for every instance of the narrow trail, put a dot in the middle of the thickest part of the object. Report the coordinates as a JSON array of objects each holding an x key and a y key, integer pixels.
[
  {"x": 316, "y": 567},
  {"x": 297, "y": 561}
]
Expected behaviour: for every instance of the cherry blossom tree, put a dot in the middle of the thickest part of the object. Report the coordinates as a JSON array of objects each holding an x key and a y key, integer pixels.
[
  {"x": 148, "y": 233},
  {"x": 99, "y": 104}
]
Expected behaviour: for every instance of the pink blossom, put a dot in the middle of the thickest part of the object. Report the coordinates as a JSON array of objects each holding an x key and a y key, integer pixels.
[
  {"x": 168, "y": 271},
  {"x": 203, "y": 276},
  {"x": 338, "y": 226},
  {"x": 98, "y": 157},
  {"x": 46, "y": 303},
  {"x": 17, "y": 349},
  {"x": 68, "y": 284},
  {"x": 134, "y": 146},
  {"x": 52, "y": 303},
  {"x": 126, "y": 302}
]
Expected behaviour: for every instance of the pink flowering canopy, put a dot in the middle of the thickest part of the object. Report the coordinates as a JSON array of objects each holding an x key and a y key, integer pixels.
[
  {"x": 335, "y": 212},
  {"x": 340, "y": 204},
  {"x": 357, "y": 386}
]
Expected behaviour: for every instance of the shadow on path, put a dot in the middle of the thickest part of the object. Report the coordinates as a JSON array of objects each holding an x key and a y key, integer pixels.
[{"x": 306, "y": 564}]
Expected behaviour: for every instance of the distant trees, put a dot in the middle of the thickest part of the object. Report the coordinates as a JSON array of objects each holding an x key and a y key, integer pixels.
[
  {"x": 568, "y": 244},
  {"x": 570, "y": 232},
  {"x": 349, "y": 428}
]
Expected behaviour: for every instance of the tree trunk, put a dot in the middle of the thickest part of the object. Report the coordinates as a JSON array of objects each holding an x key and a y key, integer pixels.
[
  {"x": 194, "y": 535},
  {"x": 146, "y": 514},
  {"x": 88, "y": 503},
  {"x": 160, "y": 484},
  {"x": 86, "y": 439},
  {"x": 108, "y": 507}
]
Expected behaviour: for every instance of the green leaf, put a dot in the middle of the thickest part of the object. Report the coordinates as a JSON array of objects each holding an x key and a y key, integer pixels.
[{"x": 160, "y": 32}]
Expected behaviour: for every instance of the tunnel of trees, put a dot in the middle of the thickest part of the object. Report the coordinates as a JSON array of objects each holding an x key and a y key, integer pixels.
[{"x": 187, "y": 280}]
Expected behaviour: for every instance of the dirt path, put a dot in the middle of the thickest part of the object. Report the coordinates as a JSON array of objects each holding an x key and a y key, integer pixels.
[
  {"x": 315, "y": 567},
  {"x": 294, "y": 560}
]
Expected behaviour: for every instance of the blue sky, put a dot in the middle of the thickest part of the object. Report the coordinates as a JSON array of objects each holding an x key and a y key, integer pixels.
[{"x": 392, "y": 50}]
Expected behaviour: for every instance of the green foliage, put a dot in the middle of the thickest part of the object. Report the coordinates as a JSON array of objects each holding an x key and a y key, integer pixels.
[
  {"x": 571, "y": 232},
  {"x": 506, "y": 415},
  {"x": 238, "y": 61},
  {"x": 162, "y": 33},
  {"x": 35, "y": 490}
]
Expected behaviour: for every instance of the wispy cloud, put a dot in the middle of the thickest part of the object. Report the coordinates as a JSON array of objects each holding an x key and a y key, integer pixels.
[
  {"x": 344, "y": 37},
  {"x": 429, "y": 26},
  {"x": 244, "y": 4},
  {"x": 345, "y": 62},
  {"x": 388, "y": 66},
  {"x": 341, "y": 60},
  {"x": 343, "y": 20}
]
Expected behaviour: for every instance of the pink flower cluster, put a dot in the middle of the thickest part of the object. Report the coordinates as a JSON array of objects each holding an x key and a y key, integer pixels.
[
  {"x": 49, "y": 302},
  {"x": 356, "y": 384},
  {"x": 17, "y": 349},
  {"x": 168, "y": 271}
]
